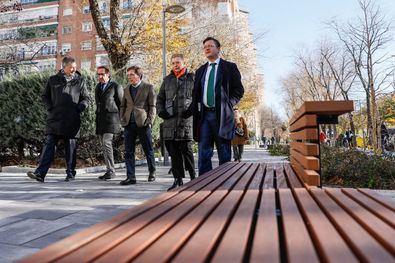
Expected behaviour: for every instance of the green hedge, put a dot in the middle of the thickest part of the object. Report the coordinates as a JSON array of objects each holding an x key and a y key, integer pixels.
[{"x": 355, "y": 168}]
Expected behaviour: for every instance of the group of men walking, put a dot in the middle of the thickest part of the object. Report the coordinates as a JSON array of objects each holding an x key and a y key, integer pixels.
[{"x": 193, "y": 106}]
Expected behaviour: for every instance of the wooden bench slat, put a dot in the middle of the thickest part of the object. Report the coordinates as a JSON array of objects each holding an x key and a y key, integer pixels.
[
  {"x": 306, "y": 134},
  {"x": 292, "y": 178},
  {"x": 266, "y": 244},
  {"x": 118, "y": 235},
  {"x": 234, "y": 242},
  {"x": 280, "y": 177},
  {"x": 361, "y": 242},
  {"x": 323, "y": 108},
  {"x": 308, "y": 162},
  {"x": 102, "y": 245},
  {"x": 309, "y": 177},
  {"x": 306, "y": 121},
  {"x": 206, "y": 178},
  {"x": 135, "y": 244},
  {"x": 259, "y": 175},
  {"x": 374, "y": 207},
  {"x": 57, "y": 250},
  {"x": 166, "y": 246},
  {"x": 374, "y": 225},
  {"x": 378, "y": 198},
  {"x": 268, "y": 182},
  {"x": 307, "y": 149},
  {"x": 330, "y": 244},
  {"x": 248, "y": 175},
  {"x": 203, "y": 240},
  {"x": 298, "y": 243}
]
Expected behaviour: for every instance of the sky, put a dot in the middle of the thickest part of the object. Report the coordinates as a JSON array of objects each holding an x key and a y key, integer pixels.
[{"x": 291, "y": 25}]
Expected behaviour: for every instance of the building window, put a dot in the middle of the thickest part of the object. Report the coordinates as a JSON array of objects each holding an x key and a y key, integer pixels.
[
  {"x": 48, "y": 50},
  {"x": 66, "y": 29},
  {"x": 66, "y": 47},
  {"x": 86, "y": 9},
  {"x": 86, "y": 64},
  {"x": 86, "y": 45},
  {"x": 67, "y": 11},
  {"x": 103, "y": 7},
  {"x": 99, "y": 45},
  {"x": 28, "y": 1},
  {"x": 86, "y": 26},
  {"x": 106, "y": 22},
  {"x": 127, "y": 4}
]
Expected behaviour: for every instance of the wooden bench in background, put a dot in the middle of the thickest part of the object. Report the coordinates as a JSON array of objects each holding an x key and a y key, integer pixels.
[
  {"x": 240, "y": 212},
  {"x": 304, "y": 128}
]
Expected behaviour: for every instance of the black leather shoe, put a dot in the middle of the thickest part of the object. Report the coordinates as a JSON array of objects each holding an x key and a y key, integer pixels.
[
  {"x": 192, "y": 175},
  {"x": 107, "y": 176},
  {"x": 69, "y": 178},
  {"x": 128, "y": 181},
  {"x": 177, "y": 182},
  {"x": 36, "y": 176},
  {"x": 151, "y": 177}
]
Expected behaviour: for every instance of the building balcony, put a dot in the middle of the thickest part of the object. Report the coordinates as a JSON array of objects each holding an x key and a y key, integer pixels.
[{"x": 29, "y": 22}]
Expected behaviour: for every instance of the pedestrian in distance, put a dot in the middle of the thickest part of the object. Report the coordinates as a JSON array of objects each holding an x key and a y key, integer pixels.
[
  {"x": 65, "y": 97},
  {"x": 108, "y": 96},
  {"x": 174, "y": 97},
  {"x": 137, "y": 115},
  {"x": 217, "y": 89},
  {"x": 241, "y": 136}
]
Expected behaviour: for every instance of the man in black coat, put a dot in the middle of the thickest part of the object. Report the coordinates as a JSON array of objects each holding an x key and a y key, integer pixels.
[
  {"x": 65, "y": 97},
  {"x": 175, "y": 96},
  {"x": 108, "y": 96},
  {"x": 217, "y": 89}
]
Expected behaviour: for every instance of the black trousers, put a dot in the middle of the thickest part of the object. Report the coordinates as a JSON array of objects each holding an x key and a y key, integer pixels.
[
  {"x": 48, "y": 154},
  {"x": 179, "y": 152}
]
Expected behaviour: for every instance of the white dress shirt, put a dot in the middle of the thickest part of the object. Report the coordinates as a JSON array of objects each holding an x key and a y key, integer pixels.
[{"x": 206, "y": 79}]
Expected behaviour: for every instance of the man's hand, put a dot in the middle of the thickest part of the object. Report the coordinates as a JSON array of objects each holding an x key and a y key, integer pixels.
[{"x": 164, "y": 115}]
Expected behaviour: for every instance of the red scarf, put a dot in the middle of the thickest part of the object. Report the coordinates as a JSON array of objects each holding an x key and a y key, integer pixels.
[{"x": 180, "y": 73}]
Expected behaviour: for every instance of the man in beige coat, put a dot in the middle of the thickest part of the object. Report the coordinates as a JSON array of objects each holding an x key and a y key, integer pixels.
[{"x": 137, "y": 115}]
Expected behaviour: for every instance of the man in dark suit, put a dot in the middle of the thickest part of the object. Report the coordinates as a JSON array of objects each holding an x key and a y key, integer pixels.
[
  {"x": 108, "y": 95},
  {"x": 216, "y": 90},
  {"x": 137, "y": 115}
]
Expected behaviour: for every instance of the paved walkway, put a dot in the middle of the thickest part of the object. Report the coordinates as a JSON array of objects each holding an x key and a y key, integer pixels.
[{"x": 34, "y": 215}]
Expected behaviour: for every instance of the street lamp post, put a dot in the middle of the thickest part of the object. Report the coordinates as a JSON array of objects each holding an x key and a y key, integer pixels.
[{"x": 172, "y": 9}]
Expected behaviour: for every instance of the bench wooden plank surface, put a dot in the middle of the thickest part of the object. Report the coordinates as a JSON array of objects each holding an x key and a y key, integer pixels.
[
  {"x": 308, "y": 162},
  {"x": 381, "y": 231},
  {"x": 236, "y": 212},
  {"x": 378, "y": 198},
  {"x": 299, "y": 245},
  {"x": 362, "y": 243},
  {"x": 308, "y": 149},
  {"x": 266, "y": 244},
  {"x": 374, "y": 207},
  {"x": 307, "y": 134},
  {"x": 306, "y": 121},
  {"x": 323, "y": 233}
]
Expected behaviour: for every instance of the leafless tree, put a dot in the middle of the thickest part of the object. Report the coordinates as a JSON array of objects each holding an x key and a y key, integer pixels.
[{"x": 364, "y": 40}]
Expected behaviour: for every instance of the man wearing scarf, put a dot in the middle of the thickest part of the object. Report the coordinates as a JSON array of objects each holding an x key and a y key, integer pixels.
[{"x": 175, "y": 96}]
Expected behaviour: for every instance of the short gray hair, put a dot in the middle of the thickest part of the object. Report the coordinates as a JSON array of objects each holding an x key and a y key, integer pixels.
[{"x": 66, "y": 61}]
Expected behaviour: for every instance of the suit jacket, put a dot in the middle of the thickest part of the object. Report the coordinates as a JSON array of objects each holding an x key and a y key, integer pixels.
[
  {"x": 143, "y": 106},
  {"x": 228, "y": 92},
  {"x": 108, "y": 104}
]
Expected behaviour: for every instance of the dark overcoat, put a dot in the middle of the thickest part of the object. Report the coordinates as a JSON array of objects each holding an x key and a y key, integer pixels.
[
  {"x": 108, "y": 104},
  {"x": 64, "y": 102},
  {"x": 228, "y": 92},
  {"x": 179, "y": 93}
]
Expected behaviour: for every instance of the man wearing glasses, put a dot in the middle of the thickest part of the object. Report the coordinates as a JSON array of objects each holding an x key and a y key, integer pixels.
[
  {"x": 108, "y": 96},
  {"x": 216, "y": 91}
]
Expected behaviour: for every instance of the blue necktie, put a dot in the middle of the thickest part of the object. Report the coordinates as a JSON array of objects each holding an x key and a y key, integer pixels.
[{"x": 210, "y": 86}]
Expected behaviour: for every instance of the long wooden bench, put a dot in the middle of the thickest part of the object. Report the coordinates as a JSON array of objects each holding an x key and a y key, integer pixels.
[
  {"x": 240, "y": 212},
  {"x": 304, "y": 128}
]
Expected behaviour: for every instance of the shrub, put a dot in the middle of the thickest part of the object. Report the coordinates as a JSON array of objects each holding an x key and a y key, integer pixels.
[
  {"x": 279, "y": 149},
  {"x": 355, "y": 168}
]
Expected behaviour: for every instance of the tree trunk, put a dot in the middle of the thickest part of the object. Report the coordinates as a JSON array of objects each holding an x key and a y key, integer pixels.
[{"x": 352, "y": 127}]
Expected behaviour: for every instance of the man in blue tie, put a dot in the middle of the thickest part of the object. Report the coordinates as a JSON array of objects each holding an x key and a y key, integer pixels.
[{"x": 216, "y": 90}]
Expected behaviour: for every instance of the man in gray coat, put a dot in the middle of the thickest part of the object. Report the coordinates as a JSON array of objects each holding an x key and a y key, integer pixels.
[
  {"x": 65, "y": 97},
  {"x": 175, "y": 96},
  {"x": 108, "y": 95},
  {"x": 137, "y": 115}
]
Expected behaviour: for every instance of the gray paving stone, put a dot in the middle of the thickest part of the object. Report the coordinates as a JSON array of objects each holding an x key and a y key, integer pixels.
[
  {"x": 10, "y": 253},
  {"x": 27, "y": 230},
  {"x": 46, "y": 214},
  {"x": 10, "y": 220}
]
